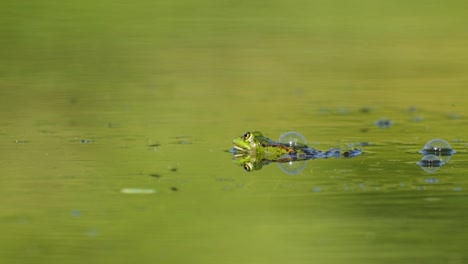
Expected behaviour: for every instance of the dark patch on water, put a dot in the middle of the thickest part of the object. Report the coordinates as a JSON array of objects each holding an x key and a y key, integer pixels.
[
  {"x": 92, "y": 232},
  {"x": 76, "y": 213},
  {"x": 366, "y": 110},
  {"x": 383, "y": 123}
]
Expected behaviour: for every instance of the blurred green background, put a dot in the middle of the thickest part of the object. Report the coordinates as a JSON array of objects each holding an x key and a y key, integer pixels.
[{"x": 98, "y": 96}]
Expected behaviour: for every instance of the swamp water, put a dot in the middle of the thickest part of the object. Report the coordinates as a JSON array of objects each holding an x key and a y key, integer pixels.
[{"x": 116, "y": 122}]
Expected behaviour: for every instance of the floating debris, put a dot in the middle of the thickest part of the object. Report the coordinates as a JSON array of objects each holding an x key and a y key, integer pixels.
[
  {"x": 412, "y": 109},
  {"x": 316, "y": 189},
  {"x": 343, "y": 111},
  {"x": 366, "y": 109},
  {"x": 432, "y": 180},
  {"x": 76, "y": 213},
  {"x": 225, "y": 179},
  {"x": 85, "y": 141},
  {"x": 352, "y": 153},
  {"x": 137, "y": 191},
  {"x": 384, "y": 123},
  {"x": 432, "y": 199},
  {"x": 92, "y": 232},
  {"x": 454, "y": 116}
]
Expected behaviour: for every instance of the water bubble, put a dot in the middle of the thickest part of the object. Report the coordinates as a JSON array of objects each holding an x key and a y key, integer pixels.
[
  {"x": 430, "y": 163},
  {"x": 293, "y": 167},
  {"x": 438, "y": 147},
  {"x": 292, "y": 139}
]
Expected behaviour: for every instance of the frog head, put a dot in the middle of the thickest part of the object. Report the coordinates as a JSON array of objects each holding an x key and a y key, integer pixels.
[
  {"x": 249, "y": 163},
  {"x": 250, "y": 141}
]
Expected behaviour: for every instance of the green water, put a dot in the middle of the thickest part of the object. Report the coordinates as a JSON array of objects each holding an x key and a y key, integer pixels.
[{"x": 97, "y": 97}]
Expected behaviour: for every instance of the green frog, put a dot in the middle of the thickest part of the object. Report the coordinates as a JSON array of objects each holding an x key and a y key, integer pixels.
[{"x": 253, "y": 150}]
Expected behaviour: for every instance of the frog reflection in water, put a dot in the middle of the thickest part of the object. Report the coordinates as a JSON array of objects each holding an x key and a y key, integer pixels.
[{"x": 253, "y": 150}]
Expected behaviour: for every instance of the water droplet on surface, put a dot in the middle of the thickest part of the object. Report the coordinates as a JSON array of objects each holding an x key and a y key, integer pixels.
[
  {"x": 438, "y": 147},
  {"x": 292, "y": 139}
]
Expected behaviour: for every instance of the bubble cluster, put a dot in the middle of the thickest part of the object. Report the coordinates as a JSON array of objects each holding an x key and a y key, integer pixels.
[{"x": 436, "y": 153}]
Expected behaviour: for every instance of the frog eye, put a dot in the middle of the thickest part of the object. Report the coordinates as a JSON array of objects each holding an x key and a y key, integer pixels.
[
  {"x": 247, "y": 136},
  {"x": 248, "y": 167}
]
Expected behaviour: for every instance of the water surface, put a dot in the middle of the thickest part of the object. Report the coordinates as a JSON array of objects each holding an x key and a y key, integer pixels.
[{"x": 116, "y": 120}]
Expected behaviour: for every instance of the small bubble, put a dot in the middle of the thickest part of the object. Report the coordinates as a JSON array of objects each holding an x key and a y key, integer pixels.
[
  {"x": 383, "y": 123},
  {"x": 437, "y": 147},
  {"x": 317, "y": 189},
  {"x": 76, "y": 213},
  {"x": 430, "y": 163},
  {"x": 432, "y": 180}
]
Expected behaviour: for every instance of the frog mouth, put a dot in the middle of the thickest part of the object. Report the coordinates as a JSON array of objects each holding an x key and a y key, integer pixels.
[{"x": 240, "y": 148}]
